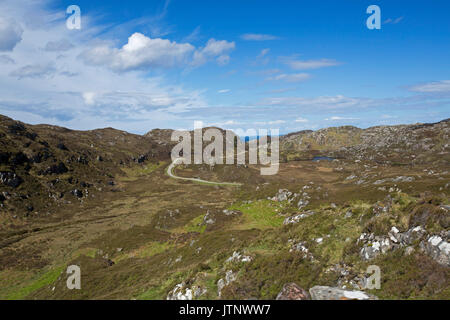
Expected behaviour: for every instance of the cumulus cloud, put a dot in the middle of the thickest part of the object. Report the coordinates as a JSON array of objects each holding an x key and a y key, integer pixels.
[
  {"x": 295, "y": 77},
  {"x": 309, "y": 64},
  {"x": 258, "y": 37},
  {"x": 432, "y": 87},
  {"x": 140, "y": 52},
  {"x": 10, "y": 34},
  {"x": 41, "y": 87}
]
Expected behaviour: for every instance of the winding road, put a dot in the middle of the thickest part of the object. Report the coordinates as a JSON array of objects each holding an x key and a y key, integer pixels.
[{"x": 174, "y": 163}]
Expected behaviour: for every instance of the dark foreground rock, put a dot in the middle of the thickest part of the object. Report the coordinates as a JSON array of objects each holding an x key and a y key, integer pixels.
[{"x": 291, "y": 291}]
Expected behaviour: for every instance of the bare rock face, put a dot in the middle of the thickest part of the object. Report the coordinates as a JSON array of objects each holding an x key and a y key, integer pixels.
[
  {"x": 291, "y": 291},
  {"x": 374, "y": 245},
  {"x": 438, "y": 248},
  {"x": 183, "y": 292},
  {"x": 330, "y": 293}
]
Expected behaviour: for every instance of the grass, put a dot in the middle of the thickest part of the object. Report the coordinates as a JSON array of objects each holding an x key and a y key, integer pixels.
[
  {"x": 196, "y": 225},
  {"x": 148, "y": 250},
  {"x": 141, "y": 170},
  {"x": 258, "y": 214},
  {"x": 40, "y": 281}
]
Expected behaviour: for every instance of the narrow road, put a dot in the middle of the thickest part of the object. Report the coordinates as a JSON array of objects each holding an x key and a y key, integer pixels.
[{"x": 173, "y": 164}]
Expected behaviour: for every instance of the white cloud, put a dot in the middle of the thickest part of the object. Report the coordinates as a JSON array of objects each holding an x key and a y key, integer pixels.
[
  {"x": 436, "y": 86},
  {"x": 393, "y": 21},
  {"x": 140, "y": 52},
  {"x": 309, "y": 64},
  {"x": 60, "y": 45},
  {"x": 10, "y": 33},
  {"x": 258, "y": 37},
  {"x": 301, "y": 120},
  {"x": 223, "y": 60},
  {"x": 265, "y": 123},
  {"x": 276, "y": 122},
  {"x": 324, "y": 102},
  {"x": 263, "y": 53},
  {"x": 33, "y": 71},
  {"x": 89, "y": 97},
  {"x": 193, "y": 36},
  {"x": 224, "y": 91},
  {"x": 214, "y": 49},
  {"x": 222, "y": 124},
  {"x": 295, "y": 77},
  {"x": 4, "y": 59},
  {"x": 59, "y": 88},
  {"x": 336, "y": 118}
]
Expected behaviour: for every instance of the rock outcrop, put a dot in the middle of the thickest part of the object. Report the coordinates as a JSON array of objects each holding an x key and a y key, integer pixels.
[
  {"x": 291, "y": 291},
  {"x": 330, "y": 293}
]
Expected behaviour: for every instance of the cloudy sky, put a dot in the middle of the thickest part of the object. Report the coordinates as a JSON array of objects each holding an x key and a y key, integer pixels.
[{"x": 292, "y": 65}]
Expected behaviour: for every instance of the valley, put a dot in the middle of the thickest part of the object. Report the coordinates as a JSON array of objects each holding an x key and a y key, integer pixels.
[{"x": 141, "y": 227}]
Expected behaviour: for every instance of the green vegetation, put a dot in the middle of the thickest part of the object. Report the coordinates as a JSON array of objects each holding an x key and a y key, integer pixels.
[
  {"x": 39, "y": 281},
  {"x": 259, "y": 214}
]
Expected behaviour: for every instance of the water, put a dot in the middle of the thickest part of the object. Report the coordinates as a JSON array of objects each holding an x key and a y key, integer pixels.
[{"x": 322, "y": 158}]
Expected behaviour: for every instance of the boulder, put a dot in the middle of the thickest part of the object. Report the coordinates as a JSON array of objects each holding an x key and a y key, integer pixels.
[
  {"x": 296, "y": 218},
  {"x": 331, "y": 293},
  {"x": 291, "y": 291},
  {"x": 438, "y": 249}
]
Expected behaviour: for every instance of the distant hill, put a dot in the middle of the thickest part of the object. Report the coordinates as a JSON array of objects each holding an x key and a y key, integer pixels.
[
  {"x": 416, "y": 142},
  {"x": 42, "y": 162}
]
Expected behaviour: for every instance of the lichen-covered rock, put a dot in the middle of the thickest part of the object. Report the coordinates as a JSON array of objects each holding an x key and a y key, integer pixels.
[
  {"x": 331, "y": 293},
  {"x": 237, "y": 257},
  {"x": 374, "y": 245},
  {"x": 296, "y": 218},
  {"x": 438, "y": 249},
  {"x": 291, "y": 291},
  {"x": 182, "y": 292},
  {"x": 230, "y": 276}
]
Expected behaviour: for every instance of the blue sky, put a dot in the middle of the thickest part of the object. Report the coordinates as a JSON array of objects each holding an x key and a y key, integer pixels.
[{"x": 292, "y": 65}]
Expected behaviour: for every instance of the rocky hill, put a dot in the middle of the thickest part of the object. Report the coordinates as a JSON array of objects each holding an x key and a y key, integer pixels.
[
  {"x": 417, "y": 143},
  {"x": 43, "y": 165}
]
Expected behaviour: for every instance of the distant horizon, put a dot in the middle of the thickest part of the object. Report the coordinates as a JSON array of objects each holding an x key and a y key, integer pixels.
[{"x": 281, "y": 134}]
